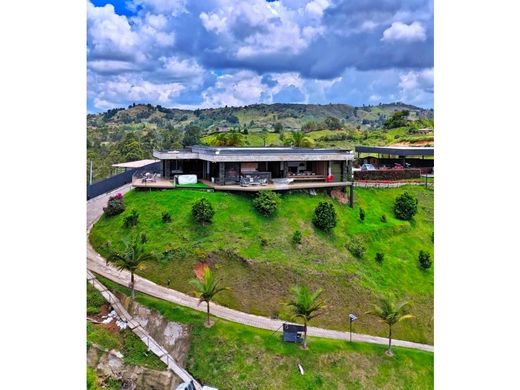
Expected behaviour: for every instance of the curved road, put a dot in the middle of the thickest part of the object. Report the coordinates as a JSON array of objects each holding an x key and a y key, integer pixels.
[{"x": 97, "y": 264}]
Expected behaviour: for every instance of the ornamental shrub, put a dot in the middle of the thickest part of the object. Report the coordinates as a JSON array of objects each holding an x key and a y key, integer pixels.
[
  {"x": 380, "y": 257},
  {"x": 115, "y": 205},
  {"x": 266, "y": 202},
  {"x": 202, "y": 211},
  {"x": 383, "y": 218},
  {"x": 425, "y": 261},
  {"x": 405, "y": 206},
  {"x": 166, "y": 217},
  {"x": 357, "y": 247},
  {"x": 361, "y": 214},
  {"x": 324, "y": 216},
  {"x": 131, "y": 220},
  {"x": 297, "y": 237}
]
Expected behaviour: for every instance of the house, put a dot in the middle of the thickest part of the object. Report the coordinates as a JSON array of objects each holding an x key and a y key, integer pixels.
[
  {"x": 254, "y": 168},
  {"x": 421, "y": 157}
]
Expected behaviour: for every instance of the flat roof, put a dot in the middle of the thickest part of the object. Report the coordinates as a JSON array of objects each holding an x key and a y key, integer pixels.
[
  {"x": 134, "y": 164},
  {"x": 397, "y": 150},
  {"x": 247, "y": 154}
]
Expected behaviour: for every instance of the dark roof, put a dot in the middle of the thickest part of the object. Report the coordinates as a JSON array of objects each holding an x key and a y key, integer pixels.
[
  {"x": 397, "y": 150},
  {"x": 233, "y": 151}
]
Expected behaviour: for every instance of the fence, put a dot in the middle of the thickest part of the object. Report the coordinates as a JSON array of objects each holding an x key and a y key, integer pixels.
[{"x": 116, "y": 181}]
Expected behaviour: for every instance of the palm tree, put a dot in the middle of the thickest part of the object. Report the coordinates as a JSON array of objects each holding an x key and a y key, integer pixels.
[
  {"x": 305, "y": 305},
  {"x": 390, "y": 313},
  {"x": 207, "y": 287},
  {"x": 130, "y": 259},
  {"x": 300, "y": 140}
]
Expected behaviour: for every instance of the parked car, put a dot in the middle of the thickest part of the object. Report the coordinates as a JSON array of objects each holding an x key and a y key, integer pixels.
[
  {"x": 398, "y": 166},
  {"x": 368, "y": 167}
]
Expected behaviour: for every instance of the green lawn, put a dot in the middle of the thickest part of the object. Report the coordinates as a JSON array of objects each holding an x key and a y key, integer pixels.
[
  {"x": 234, "y": 356},
  {"x": 255, "y": 257}
]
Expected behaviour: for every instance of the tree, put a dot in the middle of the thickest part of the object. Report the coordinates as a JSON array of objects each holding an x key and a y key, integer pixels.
[
  {"x": 305, "y": 305},
  {"x": 266, "y": 202},
  {"x": 300, "y": 140},
  {"x": 206, "y": 288},
  {"x": 405, "y": 206},
  {"x": 133, "y": 255},
  {"x": 192, "y": 135},
  {"x": 130, "y": 148},
  {"x": 232, "y": 138},
  {"x": 278, "y": 127},
  {"x": 202, "y": 211},
  {"x": 332, "y": 123},
  {"x": 324, "y": 216},
  {"x": 264, "y": 135},
  {"x": 390, "y": 313}
]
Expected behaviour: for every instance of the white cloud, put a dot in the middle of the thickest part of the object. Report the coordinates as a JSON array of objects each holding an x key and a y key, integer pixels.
[
  {"x": 316, "y": 7},
  {"x": 213, "y": 22},
  {"x": 403, "y": 32}
]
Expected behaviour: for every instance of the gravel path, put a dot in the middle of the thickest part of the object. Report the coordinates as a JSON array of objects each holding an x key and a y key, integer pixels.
[{"x": 96, "y": 263}]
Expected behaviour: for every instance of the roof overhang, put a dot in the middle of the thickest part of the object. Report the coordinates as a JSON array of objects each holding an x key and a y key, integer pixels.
[{"x": 397, "y": 150}]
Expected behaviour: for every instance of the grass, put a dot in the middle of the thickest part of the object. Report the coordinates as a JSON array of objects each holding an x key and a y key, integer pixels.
[
  {"x": 255, "y": 256},
  {"x": 135, "y": 352},
  {"x": 234, "y": 356}
]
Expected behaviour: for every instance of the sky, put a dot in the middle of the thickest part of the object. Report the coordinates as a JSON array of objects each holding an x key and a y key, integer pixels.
[{"x": 213, "y": 53}]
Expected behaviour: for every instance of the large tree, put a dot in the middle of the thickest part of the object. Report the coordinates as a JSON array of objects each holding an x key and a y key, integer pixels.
[
  {"x": 207, "y": 286},
  {"x": 305, "y": 305},
  {"x": 192, "y": 135},
  {"x": 390, "y": 313},
  {"x": 130, "y": 258}
]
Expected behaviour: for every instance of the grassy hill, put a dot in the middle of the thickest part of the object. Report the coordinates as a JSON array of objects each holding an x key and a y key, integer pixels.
[
  {"x": 254, "y": 255},
  {"x": 234, "y": 356}
]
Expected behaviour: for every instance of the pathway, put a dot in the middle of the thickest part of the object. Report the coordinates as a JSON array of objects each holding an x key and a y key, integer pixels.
[{"x": 97, "y": 264}]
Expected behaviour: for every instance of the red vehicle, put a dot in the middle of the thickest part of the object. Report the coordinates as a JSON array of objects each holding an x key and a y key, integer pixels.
[{"x": 397, "y": 166}]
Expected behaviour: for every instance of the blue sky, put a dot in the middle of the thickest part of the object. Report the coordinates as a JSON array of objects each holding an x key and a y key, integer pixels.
[{"x": 188, "y": 54}]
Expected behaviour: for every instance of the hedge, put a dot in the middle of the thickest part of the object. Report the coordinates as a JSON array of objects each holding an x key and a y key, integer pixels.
[{"x": 388, "y": 174}]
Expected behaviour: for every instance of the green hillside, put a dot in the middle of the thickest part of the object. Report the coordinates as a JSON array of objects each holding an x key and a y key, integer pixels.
[{"x": 255, "y": 255}]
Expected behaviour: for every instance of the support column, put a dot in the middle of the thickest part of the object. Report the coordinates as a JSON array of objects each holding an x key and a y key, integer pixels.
[
  {"x": 344, "y": 170},
  {"x": 221, "y": 172},
  {"x": 350, "y": 177},
  {"x": 285, "y": 169},
  {"x": 351, "y": 196}
]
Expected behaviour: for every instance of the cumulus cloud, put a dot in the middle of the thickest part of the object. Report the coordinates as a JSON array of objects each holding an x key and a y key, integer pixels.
[{"x": 403, "y": 32}]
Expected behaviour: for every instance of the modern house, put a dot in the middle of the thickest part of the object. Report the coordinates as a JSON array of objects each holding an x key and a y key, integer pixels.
[
  {"x": 421, "y": 157},
  {"x": 254, "y": 168}
]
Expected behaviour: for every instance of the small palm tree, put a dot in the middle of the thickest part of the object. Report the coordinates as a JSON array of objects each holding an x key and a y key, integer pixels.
[
  {"x": 300, "y": 140},
  {"x": 207, "y": 287},
  {"x": 306, "y": 306},
  {"x": 390, "y": 313},
  {"x": 130, "y": 259}
]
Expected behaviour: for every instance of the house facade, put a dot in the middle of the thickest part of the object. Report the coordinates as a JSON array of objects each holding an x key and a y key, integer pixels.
[{"x": 230, "y": 166}]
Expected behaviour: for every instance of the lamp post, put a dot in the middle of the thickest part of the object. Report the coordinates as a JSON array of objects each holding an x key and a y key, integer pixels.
[{"x": 351, "y": 318}]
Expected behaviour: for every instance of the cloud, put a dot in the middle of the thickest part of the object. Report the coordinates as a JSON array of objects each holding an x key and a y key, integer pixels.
[{"x": 404, "y": 32}]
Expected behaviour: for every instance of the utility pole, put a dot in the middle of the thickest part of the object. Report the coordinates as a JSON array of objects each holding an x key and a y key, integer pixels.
[{"x": 90, "y": 176}]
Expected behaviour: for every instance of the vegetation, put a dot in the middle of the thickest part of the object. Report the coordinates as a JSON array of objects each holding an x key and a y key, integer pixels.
[
  {"x": 115, "y": 205},
  {"x": 325, "y": 216},
  {"x": 390, "y": 313},
  {"x": 297, "y": 237},
  {"x": 202, "y": 211},
  {"x": 380, "y": 257},
  {"x": 266, "y": 202},
  {"x": 131, "y": 220},
  {"x": 357, "y": 247},
  {"x": 260, "y": 275},
  {"x": 305, "y": 306},
  {"x": 361, "y": 214},
  {"x": 425, "y": 261},
  {"x": 133, "y": 256},
  {"x": 405, "y": 206},
  {"x": 234, "y": 356},
  {"x": 166, "y": 217},
  {"x": 207, "y": 286}
]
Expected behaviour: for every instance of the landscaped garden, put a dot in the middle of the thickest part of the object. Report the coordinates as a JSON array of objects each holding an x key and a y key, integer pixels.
[
  {"x": 260, "y": 256},
  {"x": 234, "y": 356}
]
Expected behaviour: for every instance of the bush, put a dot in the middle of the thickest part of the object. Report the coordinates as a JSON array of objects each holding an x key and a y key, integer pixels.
[
  {"x": 115, "y": 205},
  {"x": 166, "y": 217},
  {"x": 405, "y": 206},
  {"x": 388, "y": 174},
  {"x": 264, "y": 241},
  {"x": 131, "y": 220},
  {"x": 380, "y": 257},
  {"x": 143, "y": 238},
  {"x": 324, "y": 216},
  {"x": 383, "y": 218},
  {"x": 425, "y": 261},
  {"x": 357, "y": 247},
  {"x": 361, "y": 214},
  {"x": 266, "y": 202},
  {"x": 202, "y": 211},
  {"x": 297, "y": 237}
]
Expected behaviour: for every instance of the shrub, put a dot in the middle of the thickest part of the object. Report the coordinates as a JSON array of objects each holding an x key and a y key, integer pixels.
[
  {"x": 324, "y": 216},
  {"x": 425, "y": 261},
  {"x": 166, "y": 217},
  {"x": 383, "y": 218},
  {"x": 432, "y": 236},
  {"x": 266, "y": 202},
  {"x": 297, "y": 237},
  {"x": 380, "y": 257},
  {"x": 405, "y": 206},
  {"x": 388, "y": 174},
  {"x": 202, "y": 211},
  {"x": 143, "y": 238},
  {"x": 131, "y": 220},
  {"x": 361, "y": 214},
  {"x": 115, "y": 205},
  {"x": 357, "y": 247},
  {"x": 264, "y": 241}
]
